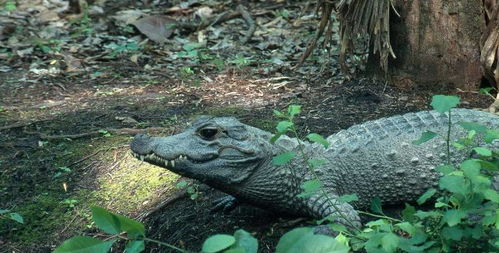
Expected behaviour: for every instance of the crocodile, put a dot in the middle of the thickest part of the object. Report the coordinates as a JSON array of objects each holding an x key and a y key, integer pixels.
[{"x": 373, "y": 159}]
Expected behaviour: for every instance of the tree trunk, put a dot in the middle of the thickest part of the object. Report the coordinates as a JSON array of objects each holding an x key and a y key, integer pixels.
[{"x": 436, "y": 42}]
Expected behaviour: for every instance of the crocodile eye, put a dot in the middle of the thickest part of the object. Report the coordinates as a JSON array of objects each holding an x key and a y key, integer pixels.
[{"x": 208, "y": 133}]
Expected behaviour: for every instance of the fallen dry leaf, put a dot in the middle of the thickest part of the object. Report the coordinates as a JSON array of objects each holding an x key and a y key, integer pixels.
[{"x": 156, "y": 28}]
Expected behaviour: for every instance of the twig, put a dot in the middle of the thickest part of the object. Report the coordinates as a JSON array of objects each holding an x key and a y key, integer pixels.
[{"x": 249, "y": 20}]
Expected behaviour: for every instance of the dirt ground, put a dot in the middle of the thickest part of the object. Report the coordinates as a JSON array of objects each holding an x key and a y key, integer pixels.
[{"x": 64, "y": 142}]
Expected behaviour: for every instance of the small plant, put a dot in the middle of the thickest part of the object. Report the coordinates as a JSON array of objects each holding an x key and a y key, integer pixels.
[
  {"x": 191, "y": 189},
  {"x": 120, "y": 49},
  {"x": 105, "y": 133},
  {"x": 241, "y": 61},
  {"x": 8, "y": 215},
  {"x": 71, "y": 203},
  {"x": 2, "y": 109},
  {"x": 61, "y": 170},
  {"x": 281, "y": 13},
  {"x": 9, "y": 6}
]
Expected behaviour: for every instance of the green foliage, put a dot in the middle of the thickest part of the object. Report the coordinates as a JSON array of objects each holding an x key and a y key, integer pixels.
[
  {"x": 240, "y": 242},
  {"x": 8, "y": 6},
  {"x": 8, "y": 215},
  {"x": 241, "y": 61},
  {"x": 121, "y": 49},
  {"x": 190, "y": 188},
  {"x": 465, "y": 217},
  {"x": 303, "y": 240}
]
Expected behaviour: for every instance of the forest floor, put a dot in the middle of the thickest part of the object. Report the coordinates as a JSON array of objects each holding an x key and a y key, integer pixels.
[{"x": 74, "y": 89}]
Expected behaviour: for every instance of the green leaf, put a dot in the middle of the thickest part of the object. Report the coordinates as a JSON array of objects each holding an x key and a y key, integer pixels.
[
  {"x": 453, "y": 183},
  {"x": 182, "y": 184},
  {"x": 16, "y": 217},
  {"x": 483, "y": 151},
  {"x": 491, "y": 195},
  {"x": 84, "y": 244},
  {"x": 428, "y": 194},
  {"x": 491, "y": 135},
  {"x": 348, "y": 198},
  {"x": 3, "y": 211},
  {"x": 283, "y": 158},
  {"x": 453, "y": 233},
  {"x": 303, "y": 240},
  {"x": 246, "y": 241},
  {"x": 376, "y": 205},
  {"x": 279, "y": 114},
  {"x": 425, "y": 136},
  {"x": 294, "y": 110},
  {"x": 442, "y": 103},
  {"x": 318, "y": 139},
  {"x": 310, "y": 187},
  {"x": 284, "y": 126},
  {"x": 218, "y": 242},
  {"x": 114, "y": 223},
  {"x": 389, "y": 242},
  {"x": 453, "y": 216},
  {"x": 316, "y": 162},
  {"x": 135, "y": 246},
  {"x": 408, "y": 213},
  {"x": 407, "y": 227},
  {"x": 473, "y": 126},
  {"x": 445, "y": 169}
]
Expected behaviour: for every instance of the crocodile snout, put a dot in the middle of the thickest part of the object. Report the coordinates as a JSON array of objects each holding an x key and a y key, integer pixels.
[{"x": 141, "y": 144}]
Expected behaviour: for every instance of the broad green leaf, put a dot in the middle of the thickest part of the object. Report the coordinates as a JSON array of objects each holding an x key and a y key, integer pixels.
[
  {"x": 453, "y": 233},
  {"x": 485, "y": 91},
  {"x": 407, "y": 227},
  {"x": 115, "y": 223},
  {"x": 491, "y": 135},
  {"x": 453, "y": 216},
  {"x": 303, "y": 240},
  {"x": 473, "y": 126},
  {"x": 376, "y": 205},
  {"x": 234, "y": 250},
  {"x": 84, "y": 244},
  {"x": 294, "y": 110},
  {"x": 491, "y": 195},
  {"x": 445, "y": 169},
  {"x": 483, "y": 151},
  {"x": 246, "y": 241},
  {"x": 218, "y": 242},
  {"x": 431, "y": 214},
  {"x": 283, "y": 158},
  {"x": 442, "y": 103},
  {"x": 17, "y": 217},
  {"x": 389, "y": 242},
  {"x": 408, "y": 213},
  {"x": 191, "y": 46},
  {"x": 135, "y": 246},
  {"x": 284, "y": 126},
  {"x": 349, "y": 198},
  {"x": 428, "y": 194},
  {"x": 425, "y": 136},
  {"x": 453, "y": 183},
  {"x": 319, "y": 139},
  {"x": 310, "y": 187},
  {"x": 2, "y": 211}
]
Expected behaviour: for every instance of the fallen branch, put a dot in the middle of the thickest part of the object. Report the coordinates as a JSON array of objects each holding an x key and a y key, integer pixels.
[{"x": 120, "y": 131}]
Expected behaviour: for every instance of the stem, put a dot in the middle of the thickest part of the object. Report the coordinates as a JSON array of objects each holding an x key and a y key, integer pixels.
[
  {"x": 165, "y": 244},
  {"x": 324, "y": 193},
  {"x": 449, "y": 126},
  {"x": 379, "y": 216}
]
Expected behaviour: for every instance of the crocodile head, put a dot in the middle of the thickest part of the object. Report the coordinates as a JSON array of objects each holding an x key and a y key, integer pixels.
[{"x": 219, "y": 151}]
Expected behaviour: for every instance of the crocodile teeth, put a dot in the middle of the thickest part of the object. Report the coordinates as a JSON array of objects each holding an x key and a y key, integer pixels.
[
  {"x": 173, "y": 163},
  {"x": 142, "y": 158},
  {"x": 166, "y": 163}
]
